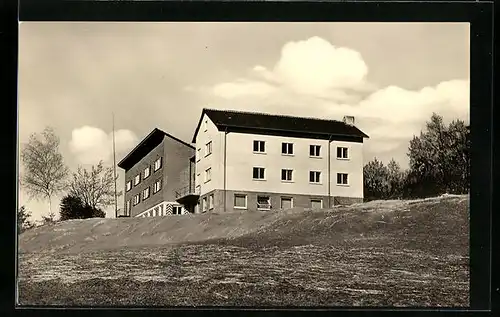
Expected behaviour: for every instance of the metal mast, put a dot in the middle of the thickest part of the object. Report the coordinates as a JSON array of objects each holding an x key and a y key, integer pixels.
[{"x": 114, "y": 166}]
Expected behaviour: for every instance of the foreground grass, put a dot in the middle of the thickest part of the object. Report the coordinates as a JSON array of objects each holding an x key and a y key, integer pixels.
[{"x": 411, "y": 256}]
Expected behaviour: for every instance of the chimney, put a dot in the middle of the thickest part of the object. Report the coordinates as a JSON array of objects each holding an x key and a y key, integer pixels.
[{"x": 349, "y": 120}]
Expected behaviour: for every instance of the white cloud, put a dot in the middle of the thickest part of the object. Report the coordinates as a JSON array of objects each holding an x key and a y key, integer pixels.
[
  {"x": 315, "y": 78},
  {"x": 311, "y": 67},
  {"x": 91, "y": 144},
  {"x": 316, "y": 66}
]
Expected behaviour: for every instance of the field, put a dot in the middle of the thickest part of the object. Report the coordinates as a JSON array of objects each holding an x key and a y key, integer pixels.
[{"x": 388, "y": 253}]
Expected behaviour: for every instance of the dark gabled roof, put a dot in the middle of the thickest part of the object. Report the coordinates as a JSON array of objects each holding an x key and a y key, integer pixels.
[
  {"x": 151, "y": 141},
  {"x": 269, "y": 122}
]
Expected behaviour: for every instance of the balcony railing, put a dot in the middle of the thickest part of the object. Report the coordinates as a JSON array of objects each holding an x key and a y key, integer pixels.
[{"x": 187, "y": 190}]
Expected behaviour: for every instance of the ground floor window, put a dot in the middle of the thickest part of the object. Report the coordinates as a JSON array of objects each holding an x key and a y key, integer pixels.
[
  {"x": 286, "y": 203},
  {"x": 204, "y": 203},
  {"x": 177, "y": 210},
  {"x": 240, "y": 201},
  {"x": 211, "y": 201},
  {"x": 263, "y": 202},
  {"x": 316, "y": 203}
]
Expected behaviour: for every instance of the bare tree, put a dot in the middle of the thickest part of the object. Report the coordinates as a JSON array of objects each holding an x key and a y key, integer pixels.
[
  {"x": 44, "y": 170},
  {"x": 95, "y": 187}
]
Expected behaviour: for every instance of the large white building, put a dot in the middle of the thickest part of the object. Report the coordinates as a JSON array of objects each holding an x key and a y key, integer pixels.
[{"x": 260, "y": 161}]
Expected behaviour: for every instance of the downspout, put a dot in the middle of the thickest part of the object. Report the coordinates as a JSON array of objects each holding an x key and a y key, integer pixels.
[
  {"x": 329, "y": 172},
  {"x": 225, "y": 158}
]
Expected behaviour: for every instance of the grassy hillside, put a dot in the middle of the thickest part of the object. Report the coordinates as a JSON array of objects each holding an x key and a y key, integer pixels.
[{"x": 403, "y": 253}]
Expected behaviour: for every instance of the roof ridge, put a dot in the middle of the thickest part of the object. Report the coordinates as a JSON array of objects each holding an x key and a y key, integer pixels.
[{"x": 272, "y": 115}]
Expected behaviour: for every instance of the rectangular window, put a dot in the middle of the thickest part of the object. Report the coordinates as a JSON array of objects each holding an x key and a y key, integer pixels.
[
  {"x": 197, "y": 189},
  {"x": 128, "y": 207},
  {"x": 287, "y": 148},
  {"x": 145, "y": 193},
  {"x": 240, "y": 201},
  {"x": 211, "y": 201},
  {"x": 137, "y": 179},
  {"x": 204, "y": 203},
  {"x": 342, "y": 179},
  {"x": 314, "y": 177},
  {"x": 316, "y": 203},
  {"x": 205, "y": 125},
  {"x": 342, "y": 152},
  {"x": 208, "y": 148},
  {"x": 263, "y": 202},
  {"x": 208, "y": 174},
  {"x": 259, "y": 146},
  {"x": 137, "y": 199},
  {"x": 147, "y": 172},
  {"x": 158, "y": 163},
  {"x": 198, "y": 155},
  {"x": 128, "y": 186},
  {"x": 177, "y": 210},
  {"x": 258, "y": 173},
  {"x": 157, "y": 186},
  {"x": 286, "y": 203},
  {"x": 315, "y": 150},
  {"x": 286, "y": 175}
]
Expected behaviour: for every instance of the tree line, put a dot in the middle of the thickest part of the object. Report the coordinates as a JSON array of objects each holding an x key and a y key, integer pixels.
[
  {"x": 439, "y": 162},
  {"x": 87, "y": 191}
]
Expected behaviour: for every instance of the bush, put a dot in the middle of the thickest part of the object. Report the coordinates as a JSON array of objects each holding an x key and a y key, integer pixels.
[{"x": 72, "y": 207}]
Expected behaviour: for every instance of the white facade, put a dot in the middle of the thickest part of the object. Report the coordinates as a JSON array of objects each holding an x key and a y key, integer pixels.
[{"x": 240, "y": 159}]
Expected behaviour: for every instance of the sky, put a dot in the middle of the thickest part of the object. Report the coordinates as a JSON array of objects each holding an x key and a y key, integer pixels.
[{"x": 390, "y": 76}]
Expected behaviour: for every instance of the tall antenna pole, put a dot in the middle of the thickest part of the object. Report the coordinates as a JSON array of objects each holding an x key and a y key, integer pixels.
[{"x": 114, "y": 166}]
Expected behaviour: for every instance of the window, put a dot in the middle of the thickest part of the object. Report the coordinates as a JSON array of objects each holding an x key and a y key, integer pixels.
[
  {"x": 258, "y": 173},
  {"x": 342, "y": 153},
  {"x": 137, "y": 199},
  {"x": 177, "y": 210},
  {"x": 286, "y": 175},
  {"x": 286, "y": 203},
  {"x": 128, "y": 207},
  {"x": 208, "y": 174},
  {"x": 198, "y": 155},
  {"x": 158, "y": 163},
  {"x": 315, "y": 150},
  {"x": 204, "y": 203},
  {"x": 259, "y": 146},
  {"x": 287, "y": 148},
  {"x": 208, "y": 148},
  {"x": 157, "y": 186},
  {"x": 128, "y": 186},
  {"x": 145, "y": 193},
  {"x": 147, "y": 172},
  {"x": 211, "y": 201},
  {"x": 240, "y": 201},
  {"x": 137, "y": 179},
  {"x": 205, "y": 125},
  {"x": 197, "y": 189},
  {"x": 316, "y": 203},
  {"x": 314, "y": 176},
  {"x": 342, "y": 179},
  {"x": 263, "y": 203}
]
